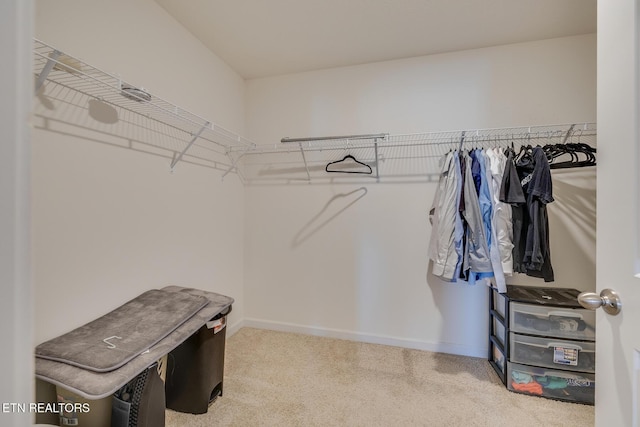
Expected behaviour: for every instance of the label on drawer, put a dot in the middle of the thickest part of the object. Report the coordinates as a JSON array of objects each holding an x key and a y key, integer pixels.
[
  {"x": 565, "y": 356},
  {"x": 568, "y": 325},
  {"x": 578, "y": 382}
]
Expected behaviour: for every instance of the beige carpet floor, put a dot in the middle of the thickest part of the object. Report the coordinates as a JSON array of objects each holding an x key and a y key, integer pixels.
[{"x": 283, "y": 379}]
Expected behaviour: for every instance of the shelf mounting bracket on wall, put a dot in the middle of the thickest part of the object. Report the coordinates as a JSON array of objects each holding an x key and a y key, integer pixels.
[
  {"x": 53, "y": 57},
  {"x": 233, "y": 163},
  {"x": 306, "y": 166},
  {"x": 568, "y": 134},
  {"x": 375, "y": 148},
  {"x": 195, "y": 137}
]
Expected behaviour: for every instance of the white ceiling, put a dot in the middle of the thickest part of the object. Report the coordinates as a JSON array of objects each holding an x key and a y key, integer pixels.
[{"x": 259, "y": 38}]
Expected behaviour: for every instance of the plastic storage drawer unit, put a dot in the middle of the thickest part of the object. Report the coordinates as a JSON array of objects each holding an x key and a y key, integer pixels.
[
  {"x": 498, "y": 357},
  {"x": 553, "y": 353},
  {"x": 542, "y": 342},
  {"x": 574, "y": 387},
  {"x": 499, "y": 331},
  {"x": 499, "y": 303},
  {"x": 577, "y": 324}
]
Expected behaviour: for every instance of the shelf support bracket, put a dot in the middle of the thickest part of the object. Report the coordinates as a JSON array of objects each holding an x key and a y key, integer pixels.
[
  {"x": 47, "y": 69},
  {"x": 461, "y": 142},
  {"x": 195, "y": 137},
  {"x": 375, "y": 147},
  {"x": 306, "y": 166},
  {"x": 568, "y": 134},
  {"x": 233, "y": 163}
]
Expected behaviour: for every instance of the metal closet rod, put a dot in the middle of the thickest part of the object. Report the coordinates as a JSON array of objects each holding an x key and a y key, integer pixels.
[{"x": 326, "y": 138}]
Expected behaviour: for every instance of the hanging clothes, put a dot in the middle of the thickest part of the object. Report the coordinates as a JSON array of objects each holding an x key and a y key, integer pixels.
[
  {"x": 490, "y": 226},
  {"x": 527, "y": 186},
  {"x": 501, "y": 211},
  {"x": 442, "y": 215},
  {"x": 511, "y": 192},
  {"x": 460, "y": 227},
  {"x": 489, "y": 217},
  {"x": 538, "y": 188},
  {"x": 476, "y": 262}
]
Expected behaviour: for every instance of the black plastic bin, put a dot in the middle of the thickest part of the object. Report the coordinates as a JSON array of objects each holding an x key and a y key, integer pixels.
[
  {"x": 195, "y": 369},
  {"x": 141, "y": 402}
]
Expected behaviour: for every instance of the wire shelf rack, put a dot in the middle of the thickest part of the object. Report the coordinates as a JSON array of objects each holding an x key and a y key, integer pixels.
[
  {"x": 68, "y": 77},
  {"x": 168, "y": 130},
  {"x": 393, "y": 157}
]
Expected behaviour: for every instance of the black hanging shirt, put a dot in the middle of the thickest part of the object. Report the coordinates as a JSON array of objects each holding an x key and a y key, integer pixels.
[{"x": 529, "y": 190}]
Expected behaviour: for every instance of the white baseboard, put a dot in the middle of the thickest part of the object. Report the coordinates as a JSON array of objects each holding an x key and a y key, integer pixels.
[
  {"x": 436, "y": 347},
  {"x": 232, "y": 329}
]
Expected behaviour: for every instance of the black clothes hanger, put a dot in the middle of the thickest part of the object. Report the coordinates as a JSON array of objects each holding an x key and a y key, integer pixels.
[
  {"x": 510, "y": 150},
  {"x": 556, "y": 151},
  {"x": 524, "y": 154},
  {"x": 580, "y": 155},
  {"x": 369, "y": 171}
]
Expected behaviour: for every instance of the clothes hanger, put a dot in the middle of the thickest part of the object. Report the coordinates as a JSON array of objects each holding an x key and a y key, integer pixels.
[
  {"x": 525, "y": 152},
  {"x": 588, "y": 151},
  {"x": 510, "y": 149},
  {"x": 345, "y": 158},
  {"x": 580, "y": 154}
]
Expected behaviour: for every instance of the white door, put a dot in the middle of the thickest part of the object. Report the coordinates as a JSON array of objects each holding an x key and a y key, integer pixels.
[
  {"x": 16, "y": 87},
  {"x": 618, "y": 211}
]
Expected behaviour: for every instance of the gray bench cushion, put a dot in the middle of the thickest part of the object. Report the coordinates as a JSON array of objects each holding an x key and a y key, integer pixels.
[
  {"x": 112, "y": 340},
  {"x": 96, "y": 385}
]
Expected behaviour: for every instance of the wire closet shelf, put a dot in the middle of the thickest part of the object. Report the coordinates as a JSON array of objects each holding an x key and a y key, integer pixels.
[
  {"x": 400, "y": 156},
  {"x": 186, "y": 134},
  {"x": 69, "y": 73}
]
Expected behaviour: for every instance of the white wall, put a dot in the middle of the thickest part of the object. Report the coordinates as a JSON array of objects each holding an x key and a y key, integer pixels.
[
  {"x": 350, "y": 260},
  {"x": 111, "y": 222}
]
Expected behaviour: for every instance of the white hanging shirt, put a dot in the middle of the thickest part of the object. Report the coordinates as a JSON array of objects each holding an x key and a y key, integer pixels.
[
  {"x": 501, "y": 219},
  {"x": 442, "y": 215}
]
